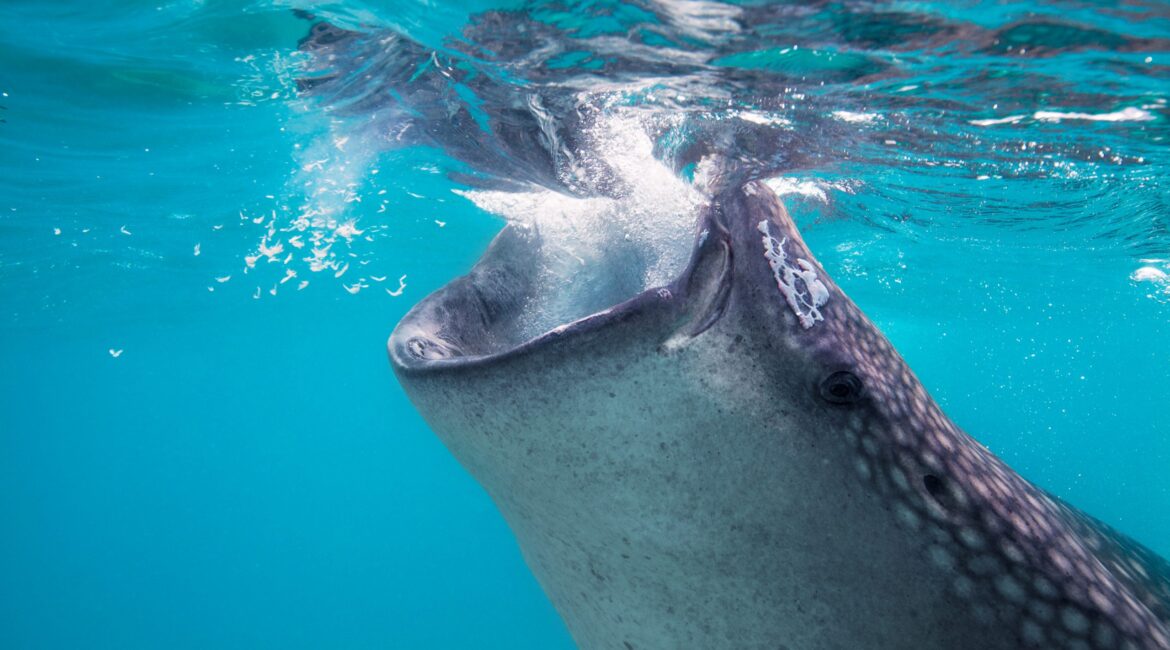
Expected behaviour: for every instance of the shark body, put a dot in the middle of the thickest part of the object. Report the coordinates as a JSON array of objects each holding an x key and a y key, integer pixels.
[{"x": 740, "y": 459}]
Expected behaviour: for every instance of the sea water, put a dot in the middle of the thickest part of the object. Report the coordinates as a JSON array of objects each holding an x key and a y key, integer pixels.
[{"x": 201, "y": 442}]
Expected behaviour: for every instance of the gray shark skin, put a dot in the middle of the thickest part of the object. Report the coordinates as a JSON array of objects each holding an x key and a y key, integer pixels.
[{"x": 740, "y": 459}]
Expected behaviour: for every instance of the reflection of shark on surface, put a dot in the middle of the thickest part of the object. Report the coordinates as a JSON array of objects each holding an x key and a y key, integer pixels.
[{"x": 711, "y": 466}]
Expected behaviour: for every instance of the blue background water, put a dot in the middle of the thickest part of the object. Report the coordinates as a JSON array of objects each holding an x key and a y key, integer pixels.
[{"x": 247, "y": 473}]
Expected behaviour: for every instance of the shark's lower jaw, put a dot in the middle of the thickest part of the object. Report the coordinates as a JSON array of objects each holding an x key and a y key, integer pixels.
[{"x": 739, "y": 459}]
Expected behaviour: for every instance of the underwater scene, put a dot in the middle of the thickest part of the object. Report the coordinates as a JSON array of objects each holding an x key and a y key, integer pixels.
[{"x": 806, "y": 325}]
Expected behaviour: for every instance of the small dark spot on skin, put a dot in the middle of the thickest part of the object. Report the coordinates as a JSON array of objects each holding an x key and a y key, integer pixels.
[
  {"x": 613, "y": 394},
  {"x": 934, "y": 485},
  {"x": 628, "y": 645},
  {"x": 598, "y": 576}
]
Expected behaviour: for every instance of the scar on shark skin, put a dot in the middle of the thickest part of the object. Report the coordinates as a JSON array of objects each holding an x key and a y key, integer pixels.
[{"x": 805, "y": 304}]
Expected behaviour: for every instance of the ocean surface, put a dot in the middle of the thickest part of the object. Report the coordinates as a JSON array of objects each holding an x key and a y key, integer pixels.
[{"x": 208, "y": 228}]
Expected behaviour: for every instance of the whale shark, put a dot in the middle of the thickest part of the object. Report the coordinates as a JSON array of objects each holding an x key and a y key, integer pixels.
[
  {"x": 740, "y": 459},
  {"x": 737, "y": 457}
]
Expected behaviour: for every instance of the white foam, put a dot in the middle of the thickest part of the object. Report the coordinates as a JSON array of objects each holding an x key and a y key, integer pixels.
[
  {"x": 766, "y": 120},
  {"x": 856, "y": 118},
  {"x": 1011, "y": 119},
  {"x": 1129, "y": 114},
  {"x": 788, "y": 186},
  {"x": 808, "y": 188},
  {"x": 598, "y": 251},
  {"x": 1157, "y": 278},
  {"x": 1150, "y": 274}
]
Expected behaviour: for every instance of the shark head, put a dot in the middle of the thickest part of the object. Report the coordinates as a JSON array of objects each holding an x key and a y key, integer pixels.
[
  {"x": 739, "y": 458},
  {"x": 753, "y": 304}
]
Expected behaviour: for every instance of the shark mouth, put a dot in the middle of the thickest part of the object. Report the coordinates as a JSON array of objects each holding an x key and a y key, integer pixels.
[
  {"x": 515, "y": 299},
  {"x": 565, "y": 264}
]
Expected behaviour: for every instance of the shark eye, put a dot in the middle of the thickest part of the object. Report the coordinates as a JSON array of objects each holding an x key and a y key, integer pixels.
[{"x": 841, "y": 388}]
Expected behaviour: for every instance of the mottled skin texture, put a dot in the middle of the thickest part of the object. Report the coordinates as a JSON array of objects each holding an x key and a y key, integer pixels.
[{"x": 683, "y": 470}]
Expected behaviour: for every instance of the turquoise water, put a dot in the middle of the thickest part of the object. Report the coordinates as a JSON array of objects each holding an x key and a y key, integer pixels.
[{"x": 195, "y": 451}]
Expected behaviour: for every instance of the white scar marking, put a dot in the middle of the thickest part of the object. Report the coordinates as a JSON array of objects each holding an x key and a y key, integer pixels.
[{"x": 805, "y": 303}]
